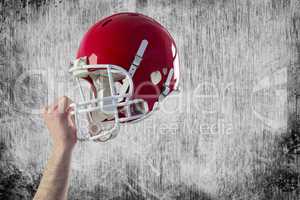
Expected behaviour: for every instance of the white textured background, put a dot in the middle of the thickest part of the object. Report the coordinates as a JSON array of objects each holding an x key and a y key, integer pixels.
[{"x": 232, "y": 133}]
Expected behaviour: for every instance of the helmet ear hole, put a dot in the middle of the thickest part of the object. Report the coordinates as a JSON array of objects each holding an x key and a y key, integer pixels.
[{"x": 155, "y": 77}]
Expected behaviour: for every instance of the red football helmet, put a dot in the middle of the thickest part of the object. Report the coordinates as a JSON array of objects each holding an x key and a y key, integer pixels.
[{"x": 130, "y": 63}]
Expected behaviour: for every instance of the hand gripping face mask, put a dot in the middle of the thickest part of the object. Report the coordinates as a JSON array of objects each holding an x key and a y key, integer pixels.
[{"x": 130, "y": 63}]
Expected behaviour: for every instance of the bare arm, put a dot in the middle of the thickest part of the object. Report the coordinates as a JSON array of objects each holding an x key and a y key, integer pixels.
[{"x": 54, "y": 183}]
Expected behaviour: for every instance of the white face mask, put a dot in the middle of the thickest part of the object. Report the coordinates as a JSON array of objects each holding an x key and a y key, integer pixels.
[
  {"x": 111, "y": 96},
  {"x": 97, "y": 115}
]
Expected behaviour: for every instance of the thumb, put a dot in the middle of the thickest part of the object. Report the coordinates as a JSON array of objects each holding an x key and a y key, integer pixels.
[{"x": 71, "y": 117}]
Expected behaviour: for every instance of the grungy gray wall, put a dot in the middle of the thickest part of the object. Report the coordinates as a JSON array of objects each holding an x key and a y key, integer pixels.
[{"x": 232, "y": 133}]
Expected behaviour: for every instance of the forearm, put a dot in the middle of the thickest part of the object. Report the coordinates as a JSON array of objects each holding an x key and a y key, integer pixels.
[{"x": 54, "y": 183}]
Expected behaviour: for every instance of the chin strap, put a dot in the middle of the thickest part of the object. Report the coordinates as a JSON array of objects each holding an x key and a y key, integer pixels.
[{"x": 138, "y": 57}]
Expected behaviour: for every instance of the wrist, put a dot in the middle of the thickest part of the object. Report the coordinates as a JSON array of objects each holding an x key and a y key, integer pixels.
[{"x": 62, "y": 149}]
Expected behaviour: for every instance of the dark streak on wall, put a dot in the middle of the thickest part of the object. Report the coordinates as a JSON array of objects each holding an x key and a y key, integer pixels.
[{"x": 14, "y": 183}]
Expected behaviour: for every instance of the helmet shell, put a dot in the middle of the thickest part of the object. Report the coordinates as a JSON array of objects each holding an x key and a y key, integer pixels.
[{"x": 116, "y": 39}]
